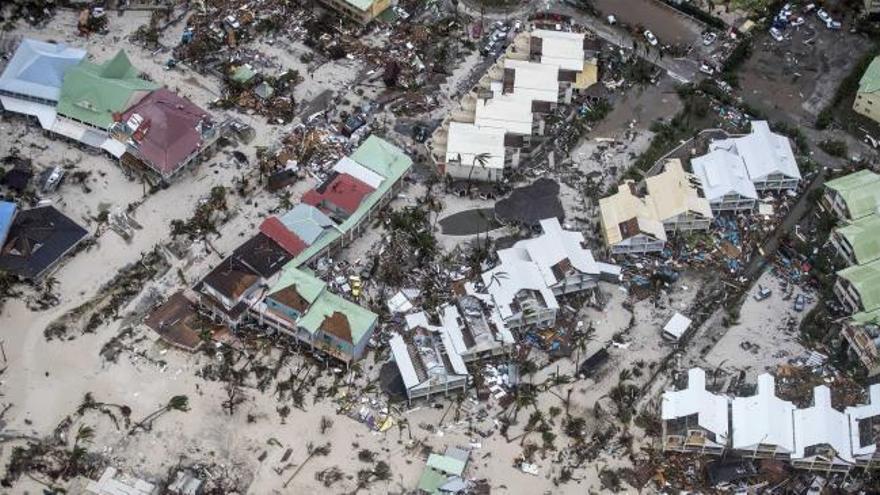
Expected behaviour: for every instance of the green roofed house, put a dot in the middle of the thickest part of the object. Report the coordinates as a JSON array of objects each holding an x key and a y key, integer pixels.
[
  {"x": 858, "y": 242},
  {"x": 858, "y": 287},
  {"x": 867, "y": 101},
  {"x": 444, "y": 473},
  {"x": 299, "y": 304},
  {"x": 92, "y": 93},
  {"x": 853, "y": 196}
]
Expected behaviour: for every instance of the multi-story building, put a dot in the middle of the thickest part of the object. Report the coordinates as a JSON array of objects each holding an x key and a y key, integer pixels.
[
  {"x": 523, "y": 287},
  {"x": 694, "y": 419},
  {"x": 853, "y": 196},
  {"x": 725, "y": 181},
  {"x": 428, "y": 364},
  {"x": 762, "y": 424},
  {"x": 821, "y": 436},
  {"x": 867, "y": 101},
  {"x": 858, "y": 287},
  {"x": 634, "y": 223},
  {"x": 858, "y": 242},
  {"x": 502, "y": 118},
  {"x": 864, "y": 430},
  {"x": 768, "y": 157}
]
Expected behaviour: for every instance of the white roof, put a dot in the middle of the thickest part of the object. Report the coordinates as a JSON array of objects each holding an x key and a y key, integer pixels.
[
  {"x": 449, "y": 334},
  {"x": 506, "y": 280},
  {"x": 348, "y": 166},
  {"x": 404, "y": 363},
  {"x": 857, "y": 414},
  {"x": 677, "y": 325},
  {"x": 511, "y": 112},
  {"x": 45, "y": 114},
  {"x": 821, "y": 424},
  {"x": 467, "y": 141},
  {"x": 551, "y": 247},
  {"x": 37, "y": 69},
  {"x": 711, "y": 409},
  {"x": 763, "y": 418},
  {"x": 561, "y": 48},
  {"x": 398, "y": 303},
  {"x": 537, "y": 82},
  {"x": 722, "y": 172},
  {"x": 763, "y": 152}
]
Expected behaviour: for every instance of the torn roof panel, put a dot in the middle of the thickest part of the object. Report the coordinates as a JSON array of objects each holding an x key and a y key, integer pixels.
[
  {"x": 711, "y": 409},
  {"x": 821, "y": 424}
]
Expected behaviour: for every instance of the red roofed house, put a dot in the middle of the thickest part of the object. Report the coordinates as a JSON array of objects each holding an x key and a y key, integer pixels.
[
  {"x": 165, "y": 132},
  {"x": 339, "y": 196},
  {"x": 278, "y": 232}
]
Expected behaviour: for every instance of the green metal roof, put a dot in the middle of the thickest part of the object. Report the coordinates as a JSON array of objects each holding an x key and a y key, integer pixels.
[
  {"x": 446, "y": 464},
  {"x": 866, "y": 280},
  {"x": 243, "y": 73},
  {"x": 360, "y": 320},
  {"x": 866, "y": 317},
  {"x": 381, "y": 157},
  {"x": 864, "y": 237},
  {"x": 308, "y": 286},
  {"x": 431, "y": 481},
  {"x": 91, "y": 92},
  {"x": 859, "y": 190},
  {"x": 870, "y": 81}
]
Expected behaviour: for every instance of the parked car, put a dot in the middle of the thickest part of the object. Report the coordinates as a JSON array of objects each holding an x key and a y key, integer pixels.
[
  {"x": 709, "y": 38},
  {"x": 705, "y": 68},
  {"x": 776, "y": 34},
  {"x": 763, "y": 293},
  {"x": 652, "y": 40},
  {"x": 797, "y": 21},
  {"x": 832, "y": 24},
  {"x": 799, "y": 303},
  {"x": 611, "y": 20},
  {"x": 823, "y": 15}
]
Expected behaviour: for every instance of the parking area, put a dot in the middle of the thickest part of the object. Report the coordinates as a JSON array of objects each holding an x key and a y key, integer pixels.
[
  {"x": 797, "y": 75},
  {"x": 669, "y": 26}
]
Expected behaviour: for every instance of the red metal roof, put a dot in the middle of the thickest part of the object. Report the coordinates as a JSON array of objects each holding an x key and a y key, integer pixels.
[
  {"x": 342, "y": 190},
  {"x": 275, "y": 230},
  {"x": 171, "y": 134}
]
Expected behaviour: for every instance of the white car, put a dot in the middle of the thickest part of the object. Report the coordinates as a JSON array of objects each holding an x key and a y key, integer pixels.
[
  {"x": 706, "y": 68},
  {"x": 797, "y": 21},
  {"x": 832, "y": 24},
  {"x": 652, "y": 40},
  {"x": 776, "y": 34},
  {"x": 823, "y": 15},
  {"x": 709, "y": 38},
  {"x": 612, "y": 20}
]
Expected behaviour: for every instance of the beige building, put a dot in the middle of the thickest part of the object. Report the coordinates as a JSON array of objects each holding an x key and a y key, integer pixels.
[
  {"x": 867, "y": 100},
  {"x": 674, "y": 202},
  {"x": 360, "y": 11}
]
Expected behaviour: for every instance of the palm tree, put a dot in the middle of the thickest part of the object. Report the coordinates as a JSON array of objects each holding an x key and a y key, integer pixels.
[
  {"x": 84, "y": 434},
  {"x": 176, "y": 403},
  {"x": 481, "y": 159}
]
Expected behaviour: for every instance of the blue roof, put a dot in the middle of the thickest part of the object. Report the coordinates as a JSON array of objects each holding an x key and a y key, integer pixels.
[
  {"x": 7, "y": 214},
  {"x": 37, "y": 69},
  {"x": 307, "y": 222}
]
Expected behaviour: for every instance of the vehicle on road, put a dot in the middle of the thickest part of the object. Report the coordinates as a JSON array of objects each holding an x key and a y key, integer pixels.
[
  {"x": 706, "y": 68},
  {"x": 652, "y": 40},
  {"x": 800, "y": 302},
  {"x": 612, "y": 20},
  {"x": 823, "y": 15},
  {"x": 763, "y": 293},
  {"x": 709, "y": 38}
]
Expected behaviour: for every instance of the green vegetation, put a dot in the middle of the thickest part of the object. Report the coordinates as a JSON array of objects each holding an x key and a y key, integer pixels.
[{"x": 833, "y": 147}]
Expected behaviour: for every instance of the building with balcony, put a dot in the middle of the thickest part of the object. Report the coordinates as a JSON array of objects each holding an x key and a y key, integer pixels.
[
  {"x": 523, "y": 288},
  {"x": 428, "y": 364},
  {"x": 858, "y": 242},
  {"x": 821, "y": 436},
  {"x": 725, "y": 181},
  {"x": 858, "y": 287},
  {"x": 867, "y": 101},
  {"x": 300, "y": 306},
  {"x": 853, "y": 196},
  {"x": 864, "y": 430},
  {"x": 767, "y": 156},
  {"x": 636, "y": 223},
  {"x": 762, "y": 424},
  {"x": 694, "y": 419}
]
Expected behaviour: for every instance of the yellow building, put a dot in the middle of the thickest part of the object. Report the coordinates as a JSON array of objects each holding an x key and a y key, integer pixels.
[
  {"x": 360, "y": 11},
  {"x": 867, "y": 100}
]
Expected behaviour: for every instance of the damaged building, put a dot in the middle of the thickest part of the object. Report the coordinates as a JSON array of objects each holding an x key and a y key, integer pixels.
[
  {"x": 427, "y": 360},
  {"x": 763, "y": 426},
  {"x": 635, "y": 223},
  {"x": 502, "y": 118},
  {"x": 524, "y": 286}
]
